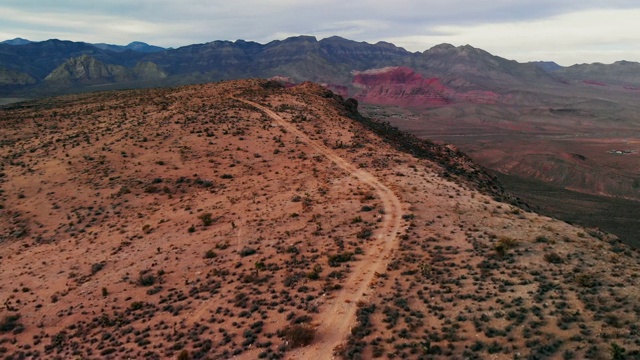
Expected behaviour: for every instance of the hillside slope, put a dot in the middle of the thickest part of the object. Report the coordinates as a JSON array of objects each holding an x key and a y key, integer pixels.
[{"x": 241, "y": 218}]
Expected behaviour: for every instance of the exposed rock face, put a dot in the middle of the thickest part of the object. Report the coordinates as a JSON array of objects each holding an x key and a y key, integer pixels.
[
  {"x": 88, "y": 70},
  {"x": 470, "y": 68},
  {"x": 399, "y": 86},
  {"x": 624, "y": 73},
  {"x": 402, "y": 86},
  {"x": 146, "y": 70},
  {"x": 9, "y": 77}
]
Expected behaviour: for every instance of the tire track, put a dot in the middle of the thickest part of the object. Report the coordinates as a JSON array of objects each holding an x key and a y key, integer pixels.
[{"x": 338, "y": 313}]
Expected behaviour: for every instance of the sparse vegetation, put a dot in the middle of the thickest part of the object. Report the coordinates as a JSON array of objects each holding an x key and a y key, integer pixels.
[{"x": 221, "y": 269}]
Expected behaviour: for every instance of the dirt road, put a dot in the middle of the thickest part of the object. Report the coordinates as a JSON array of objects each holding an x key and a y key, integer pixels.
[{"x": 338, "y": 313}]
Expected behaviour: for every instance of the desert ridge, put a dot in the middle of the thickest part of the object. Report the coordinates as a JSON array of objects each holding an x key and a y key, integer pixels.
[{"x": 247, "y": 220}]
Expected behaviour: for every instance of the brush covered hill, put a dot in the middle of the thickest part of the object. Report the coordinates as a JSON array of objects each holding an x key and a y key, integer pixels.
[{"x": 242, "y": 219}]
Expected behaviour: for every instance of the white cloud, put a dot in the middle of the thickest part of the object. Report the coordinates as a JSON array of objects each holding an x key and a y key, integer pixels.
[{"x": 591, "y": 35}]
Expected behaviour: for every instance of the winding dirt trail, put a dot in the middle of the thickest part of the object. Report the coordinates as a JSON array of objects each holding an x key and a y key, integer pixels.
[{"x": 338, "y": 313}]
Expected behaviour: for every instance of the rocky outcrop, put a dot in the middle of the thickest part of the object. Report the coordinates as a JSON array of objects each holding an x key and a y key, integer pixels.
[
  {"x": 398, "y": 86},
  {"x": 626, "y": 73},
  {"x": 13, "y": 78},
  {"x": 146, "y": 70},
  {"x": 402, "y": 86},
  {"x": 88, "y": 70}
]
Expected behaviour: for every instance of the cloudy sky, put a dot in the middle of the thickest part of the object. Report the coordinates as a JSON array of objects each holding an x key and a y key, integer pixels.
[{"x": 565, "y": 31}]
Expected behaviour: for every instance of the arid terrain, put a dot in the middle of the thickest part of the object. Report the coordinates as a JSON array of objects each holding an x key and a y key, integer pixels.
[
  {"x": 549, "y": 151},
  {"x": 564, "y": 139},
  {"x": 245, "y": 220}
]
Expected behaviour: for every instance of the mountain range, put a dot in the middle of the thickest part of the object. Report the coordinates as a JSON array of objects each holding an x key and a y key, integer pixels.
[{"x": 35, "y": 68}]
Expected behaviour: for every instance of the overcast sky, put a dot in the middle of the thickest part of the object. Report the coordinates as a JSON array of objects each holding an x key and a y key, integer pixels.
[{"x": 565, "y": 31}]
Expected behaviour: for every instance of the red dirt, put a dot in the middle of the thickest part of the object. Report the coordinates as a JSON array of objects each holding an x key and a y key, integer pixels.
[{"x": 160, "y": 223}]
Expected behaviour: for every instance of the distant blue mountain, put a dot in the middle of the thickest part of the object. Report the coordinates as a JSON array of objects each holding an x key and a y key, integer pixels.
[
  {"x": 16, "y": 41},
  {"x": 137, "y": 46}
]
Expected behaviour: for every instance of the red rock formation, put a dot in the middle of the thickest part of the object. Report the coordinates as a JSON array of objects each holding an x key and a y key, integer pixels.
[
  {"x": 398, "y": 86},
  {"x": 403, "y": 87}
]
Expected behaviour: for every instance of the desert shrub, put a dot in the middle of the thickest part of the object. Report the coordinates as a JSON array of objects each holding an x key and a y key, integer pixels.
[
  {"x": 136, "y": 305},
  {"x": 586, "y": 280},
  {"x": 184, "y": 355},
  {"x": 206, "y": 218},
  {"x": 222, "y": 245},
  {"x": 246, "y": 251},
  {"x": 154, "y": 290},
  {"x": 9, "y": 323},
  {"x": 146, "y": 278},
  {"x": 542, "y": 239},
  {"x": 617, "y": 352},
  {"x": 508, "y": 242},
  {"x": 151, "y": 189},
  {"x": 365, "y": 233},
  {"x": 298, "y": 335},
  {"x": 504, "y": 245},
  {"x": 336, "y": 259},
  {"x": 315, "y": 273},
  {"x": 553, "y": 258},
  {"x": 210, "y": 254},
  {"x": 227, "y": 176},
  {"x": 97, "y": 267}
]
